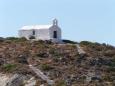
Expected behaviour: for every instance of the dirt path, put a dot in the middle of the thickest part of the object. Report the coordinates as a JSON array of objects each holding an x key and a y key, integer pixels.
[
  {"x": 41, "y": 75},
  {"x": 80, "y": 50}
]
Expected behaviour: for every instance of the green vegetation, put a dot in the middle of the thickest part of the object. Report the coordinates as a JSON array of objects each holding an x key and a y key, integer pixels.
[
  {"x": 42, "y": 54},
  {"x": 59, "y": 60},
  {"x": 109, "y": 53},
  {"x": 89, "y": 43},
  {"x": 112, "y": 63},
  {"x": 46, "y": 67},
  {"x": 56, "y": 53},
  {"x": 69, "y": 41},
  {"x": 9, "y": 67},
  {"x": 61, "y": 83},
  {"x": 1, "y": 39},
  {"x": 15, "y": 39}
]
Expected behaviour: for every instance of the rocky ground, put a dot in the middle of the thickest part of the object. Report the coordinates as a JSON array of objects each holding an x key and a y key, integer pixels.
[{"x": 62, "y": 63}]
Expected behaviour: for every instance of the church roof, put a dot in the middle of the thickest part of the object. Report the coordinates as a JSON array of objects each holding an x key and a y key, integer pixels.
[{"x": 36, "y": 27}]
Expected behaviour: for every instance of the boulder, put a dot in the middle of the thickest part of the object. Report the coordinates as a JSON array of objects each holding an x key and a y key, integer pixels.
[{"x": 16, "y": 80}]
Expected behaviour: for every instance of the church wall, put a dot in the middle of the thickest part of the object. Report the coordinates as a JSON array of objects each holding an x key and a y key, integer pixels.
[
  {"x": 25, "y": 33},
  {"x": 42, "y": 34},
  {"x": 55, "y": 28}
]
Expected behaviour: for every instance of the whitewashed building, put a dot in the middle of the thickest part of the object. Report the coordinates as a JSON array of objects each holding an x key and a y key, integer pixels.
[{"x": 42, "y": 32}]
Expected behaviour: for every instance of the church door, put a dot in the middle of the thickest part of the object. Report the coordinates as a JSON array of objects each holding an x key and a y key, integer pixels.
[
  {"x": 55, "y": 34},
  {"x": 33, "y": 32}
]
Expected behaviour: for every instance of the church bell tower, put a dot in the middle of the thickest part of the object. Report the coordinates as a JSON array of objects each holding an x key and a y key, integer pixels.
[{"x": 55, "y": 22}]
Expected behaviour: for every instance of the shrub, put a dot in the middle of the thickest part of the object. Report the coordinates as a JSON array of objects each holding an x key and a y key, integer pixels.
[
  {"x": 46, "y": 67},
  {"x": 86, "y": 43},
  {"x": 12, "y": 38},
  {"x": 1, "y": 39},
  {"x": 22, "y": 59},
  {"x": 15, "y": 39},
  {"x": 69, "y": 41},
  {"x": 22, "y": 39},
  {"x": 48, "y": 42},
  {"x": 107, "y": 78},
  {"x": 109, "y": 46},
  {"x": 41, "y": 41},
  {"x": 42, "y": 54},
  {"x": 61, "y": 83},
  {"x": 9, "y": 67},
  {"x": 112, "y": 64},
  {"x": 55, "y": 53},
  {"x": 111, "y": 69},
  {"x": 109, "y": 53}
]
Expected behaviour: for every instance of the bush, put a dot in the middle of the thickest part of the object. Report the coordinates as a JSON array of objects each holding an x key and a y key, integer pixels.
[
  {"x": 109, "y": 46},
  {"x": 22, "y": 39},
  {"x": 41, "y": 41},
  {"x": 112, "y": 64},
  {"x": 15, "y": 39},
  {"x": 86, "y": 43},
  {"x": 22, "y": 59},
  {"x": 69, "y": 41},
  {"x": 111, "y": 69},
  {"x": 1, "y": 39},
  {"x": 46, "y": 67},
  {"x": 42, "y": 55},
  {"x": 61, "y": 83},
  {"x": 9, "y": 67},
  {"x": 109, "y": 53},
  {"x": 107, "y": 78},
  {"x": 12, "y": 38},
  {"x": 48, "y": 42}
]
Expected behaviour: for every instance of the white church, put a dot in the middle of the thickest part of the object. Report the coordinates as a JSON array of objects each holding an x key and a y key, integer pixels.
[{"x": 42, "y": 32}]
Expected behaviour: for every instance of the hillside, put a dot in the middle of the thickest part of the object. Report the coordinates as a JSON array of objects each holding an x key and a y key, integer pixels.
[{"x": 62, "y": 63}]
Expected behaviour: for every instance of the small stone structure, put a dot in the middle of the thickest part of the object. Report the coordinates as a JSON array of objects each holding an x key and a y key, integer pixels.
[{"x": 42, "y": 32}]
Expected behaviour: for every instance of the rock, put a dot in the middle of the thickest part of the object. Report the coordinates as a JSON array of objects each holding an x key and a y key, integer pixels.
[
  {"x": 3, "y": 79},
  {"x": 22, "y": 59},
  {"x": 2, "y": 61},
  {"x": 99, "y": 61},
  {"x": 89, "y": 76},
  {"x": 42, "y": 85},
  {"x": 16, "y": 80},
  {"x": 31, "y": 82},
  {"x": 92, "y": 62},
  {"x": 114, "y": 83},
  {"x": 68, "y": 81}
]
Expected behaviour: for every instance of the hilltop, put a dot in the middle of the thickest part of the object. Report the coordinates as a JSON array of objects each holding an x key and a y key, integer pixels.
[{"x": 60, "y": 62}]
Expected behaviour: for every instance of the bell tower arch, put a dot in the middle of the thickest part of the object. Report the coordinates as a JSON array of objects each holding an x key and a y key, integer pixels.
[{"x": 55, "y": 22}]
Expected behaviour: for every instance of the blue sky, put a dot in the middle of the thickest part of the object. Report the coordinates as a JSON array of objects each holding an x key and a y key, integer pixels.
[{"x": 92, "y": 20}]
